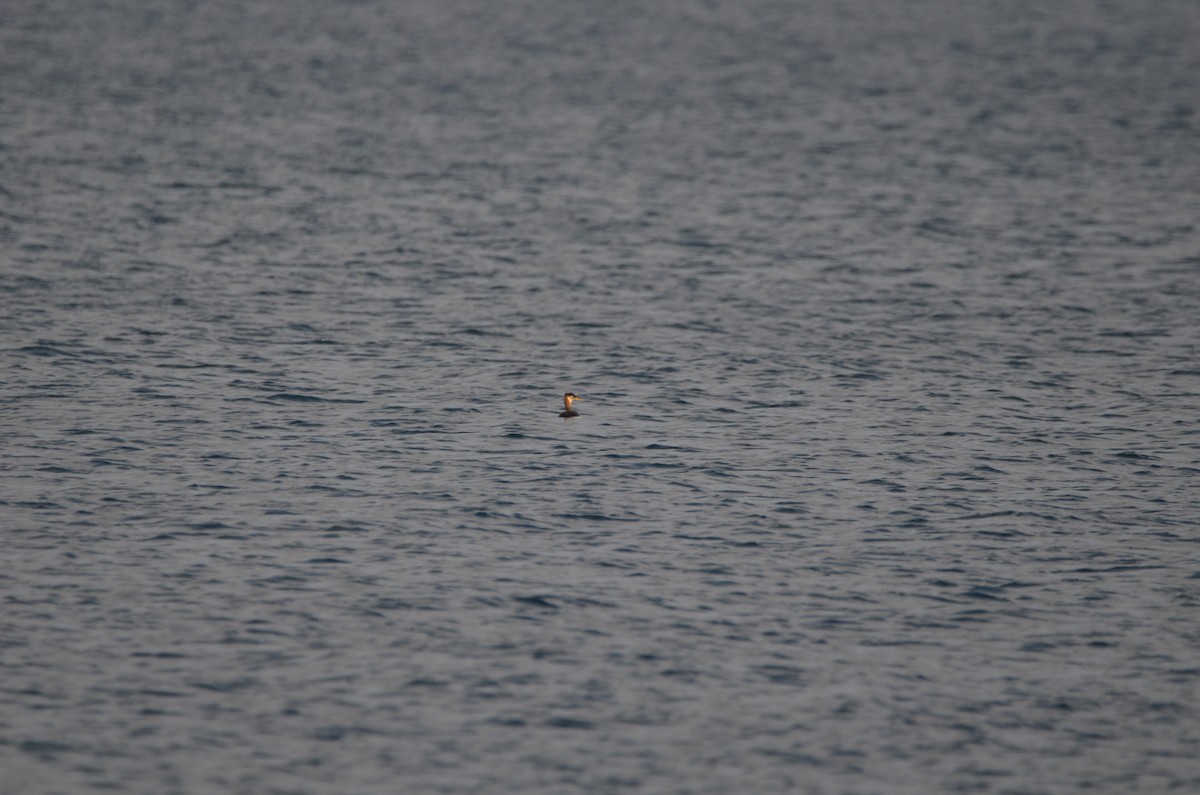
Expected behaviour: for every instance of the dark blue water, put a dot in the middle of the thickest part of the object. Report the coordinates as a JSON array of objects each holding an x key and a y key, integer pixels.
[{"x": 885, "y": 320}]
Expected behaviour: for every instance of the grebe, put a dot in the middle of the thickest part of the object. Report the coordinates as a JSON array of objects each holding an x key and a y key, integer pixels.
[{"x": 568, "y": 399}]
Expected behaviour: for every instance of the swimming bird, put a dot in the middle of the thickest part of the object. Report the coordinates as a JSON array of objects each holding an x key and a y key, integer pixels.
[{"x": 568, "y": 399}]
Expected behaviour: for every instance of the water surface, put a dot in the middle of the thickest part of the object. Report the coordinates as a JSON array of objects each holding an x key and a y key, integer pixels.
[{"x": 884, "y": 317}]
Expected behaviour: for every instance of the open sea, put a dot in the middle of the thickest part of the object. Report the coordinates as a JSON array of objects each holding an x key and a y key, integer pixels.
[{"x": 885, "y": 316}]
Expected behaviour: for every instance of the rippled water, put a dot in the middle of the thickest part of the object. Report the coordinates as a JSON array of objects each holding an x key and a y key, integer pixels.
[{"x": 884, "y": 316}]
